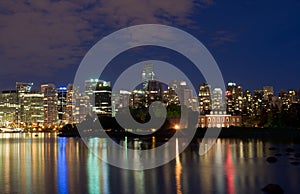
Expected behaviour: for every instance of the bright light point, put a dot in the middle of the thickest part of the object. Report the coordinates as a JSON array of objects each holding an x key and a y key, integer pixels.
[{"x": 177, "y": 127}]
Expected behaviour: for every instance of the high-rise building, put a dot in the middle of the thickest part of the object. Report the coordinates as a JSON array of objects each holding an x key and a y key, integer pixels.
[
  {"x": 137, "y": 99},
  {"x": 205, "y": 103},
  {"x": 33, "y": 106},
  {"x": 62, "y": 104},
  {"x": 82, "y": 108},
  {"x": 50, "y": 104},
  {"x": 218, "y": 105},
  {"x": 21, "y": 88},
  {"x": 234, "y": 99},
  {"x": 103, "y": 98},
  {"x": 90, "y": 86},
  {"x": 120, "y": 100},
  {"x": 8, "y": 107},
  {"x": 70, "y": 103},
  {"x": 147, "y": 74},
  {"x": 258, "y": 101},
  {"x": 247, "y": 103},
  {"x": 287, "y": 98},
  {"x": 154, "y": 92},
  {"x": 180, "y": 93},
  {"x": 268, "y": 93}
]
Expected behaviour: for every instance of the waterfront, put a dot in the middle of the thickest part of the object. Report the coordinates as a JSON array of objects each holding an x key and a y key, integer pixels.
[{"x": 49, "y": 164}]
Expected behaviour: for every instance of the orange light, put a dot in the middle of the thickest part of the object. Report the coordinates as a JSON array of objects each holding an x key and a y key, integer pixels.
[{"x": 177, "y": 127}]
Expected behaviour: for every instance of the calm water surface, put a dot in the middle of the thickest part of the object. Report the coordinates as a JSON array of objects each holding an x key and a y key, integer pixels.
[{"x": 48, "y": 164}]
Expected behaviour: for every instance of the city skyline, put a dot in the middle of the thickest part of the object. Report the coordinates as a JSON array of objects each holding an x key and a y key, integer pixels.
[
  {"x": 255, "y": 42},
  {"x": 36, "y": 88}
]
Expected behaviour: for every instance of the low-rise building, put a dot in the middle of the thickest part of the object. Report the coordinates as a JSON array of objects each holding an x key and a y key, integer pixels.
[{"x": 219, "y": 121}]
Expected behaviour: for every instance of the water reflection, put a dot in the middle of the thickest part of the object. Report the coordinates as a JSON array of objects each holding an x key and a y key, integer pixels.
[
  {"x": 98, "y": 174},
  {"x": 178, "y": 170},
  {"x": 62, "y": 168},
  {"x": 47, "y": 164},
  {"x": 230, "y": 171}
]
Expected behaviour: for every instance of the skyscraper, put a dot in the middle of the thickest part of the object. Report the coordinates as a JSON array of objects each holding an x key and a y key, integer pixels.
[
  {"x": 33, "y": 106},
  {"x": 268, "y": 92},
  {"x": 22, "y": 88},
  {"x": 8, "y": 107},
  {"x": 234, "y": 99},
  {"x": 154, "y": 92},
  {"x": 61, "y": 104},
  {"x": 218, "y": 104},
  {"x": 50, "y": 104},
  {"x": 70, "y": 103},
  {"x": 205, "y": 105},
  {"x": 147, "y": 74},
  {"x": 258, "y": 101},
  {"x": 103, "y": 98}
]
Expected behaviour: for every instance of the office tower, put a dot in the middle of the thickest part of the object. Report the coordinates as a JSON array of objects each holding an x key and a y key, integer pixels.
[
  {"x": 33, "y": 106},
  {"x": 170, "y": 96},
  {"x": 154, "y": 92},
  {"x": 180, "y": 93},
  {"x": 205, "y": 103},
  {"x": 81, "y": 109},
  {"x": 258, "y": 101},
  {"x": 147, "y": 74},
  {"x": 120, "y": 100},
  {"x": 8, "y": 107},
  {"x": 287, "y": 98},
  {"x": 218, "y": 105},
  {"x": 247, "y": 103},
  {"x": 61, "y": 104},
  {"x": 99, "y": 93},
  {"x": 194, "y": 104},
  {"x": 21, "y": 88},
  {"x": 137, "y": 99},
  {"x": 90, "y": 86},
  {"x": 70, "y": 103},
  {"x": 102, "y": 98},
  {"x": 268, "y": 92},
  {"x": 234, "y": 99},
  {"x": 50, "y": 104}
]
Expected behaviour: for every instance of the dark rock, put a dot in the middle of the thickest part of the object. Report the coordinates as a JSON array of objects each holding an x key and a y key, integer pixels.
[
  {"x": 278, "y": 154},
  {"x": 271, "y": 159},
  {"x": 289, "y": 150},
  {"x": 272, "y": 148},
  {"x": 297, "y": 155},
  {"x": 295, "y": 163},
  {"x": 272, "y": 189}
]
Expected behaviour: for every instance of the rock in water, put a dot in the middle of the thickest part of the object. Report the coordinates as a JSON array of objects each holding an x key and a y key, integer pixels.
[
  {"x": 297, "y": 155},
  {"x": 272, "y": 148},
  {"x": 289, "y": 150},
  {"x": 271, "y": 159},
  {"x": 272, "y": 189},
  {"x": 295, "y": 163}
]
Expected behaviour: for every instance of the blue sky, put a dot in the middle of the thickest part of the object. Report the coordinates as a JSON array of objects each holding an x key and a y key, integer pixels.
[{"x": 255, "y": 43}]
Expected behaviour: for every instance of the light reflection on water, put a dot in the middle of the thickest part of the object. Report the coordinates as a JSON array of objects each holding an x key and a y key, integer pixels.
[{"x": 47, "y": 164}]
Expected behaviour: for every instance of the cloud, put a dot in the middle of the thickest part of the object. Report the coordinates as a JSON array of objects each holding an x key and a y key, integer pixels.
[
  {"x": 222, "y": 37},
  {"x": 45, "y": 36}
]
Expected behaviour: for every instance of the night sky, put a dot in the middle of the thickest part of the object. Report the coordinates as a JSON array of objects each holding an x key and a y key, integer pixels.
[{"x": 255, "y": 43}]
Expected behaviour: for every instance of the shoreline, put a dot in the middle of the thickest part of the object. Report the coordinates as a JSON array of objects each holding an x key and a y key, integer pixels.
[{"x": 232, "y": 132}]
